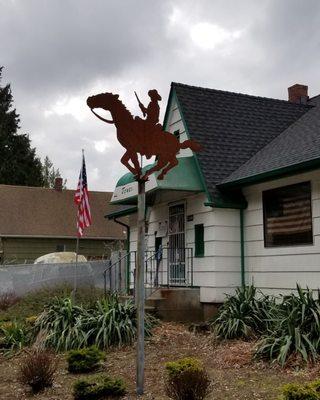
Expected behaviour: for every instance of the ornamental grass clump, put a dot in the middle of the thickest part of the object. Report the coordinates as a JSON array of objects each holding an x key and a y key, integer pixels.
[
  {"x": 98, "y": 387},
  {"x": 294, "y": 329},
  {"x": 243, "y": 315},
  {"x": 37, "y": 369},
  {"x": 84, "y": 360},
  {"x": 186, "y": 380},
  {"x": 14, "y": 336},
  {"x": 109, "y": 322},
  {"x": 62, "y": 323}
]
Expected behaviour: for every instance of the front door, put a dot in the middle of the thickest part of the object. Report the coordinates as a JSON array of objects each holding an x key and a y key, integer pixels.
[{"x": 177, "y": 256}]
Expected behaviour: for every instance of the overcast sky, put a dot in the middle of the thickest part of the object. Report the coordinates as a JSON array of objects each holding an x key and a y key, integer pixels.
[{"x": 57, "y": 52}]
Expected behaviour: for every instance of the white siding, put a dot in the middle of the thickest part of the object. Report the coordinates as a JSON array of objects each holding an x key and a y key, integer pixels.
[
  {"x": 218, "y": 272},
  {"x": 175, "y": 123},
  {"x": 278, "y": 269}
]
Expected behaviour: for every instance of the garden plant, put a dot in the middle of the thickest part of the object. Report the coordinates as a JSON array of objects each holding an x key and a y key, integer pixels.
[
  {"x": 37, "y": 369},
  {"x": 98, "y": 387},
  {"x": 84, "y": 360},
  {"x": 186, "y": 380},
  {"x": 288, "y": 325}
]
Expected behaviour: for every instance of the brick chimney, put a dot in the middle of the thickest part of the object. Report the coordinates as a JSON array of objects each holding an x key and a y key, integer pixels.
[
  {"x": 298, "y": 94},
  {"x": 58, "y": 184}
]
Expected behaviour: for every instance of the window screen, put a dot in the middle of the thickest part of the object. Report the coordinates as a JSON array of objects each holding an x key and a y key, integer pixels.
[
  {"x": 287, "y": 215},
  {"x": 199, "y": 240}
]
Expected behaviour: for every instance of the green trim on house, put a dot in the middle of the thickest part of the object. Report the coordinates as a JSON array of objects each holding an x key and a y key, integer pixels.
[
  {"x": 184, "y": 177},
  {"x": 243, "y": 277},
  {"x": 274, "y": 174},
  {"x": 199, "y": 240},
  {"x": 122, "y": 213}
]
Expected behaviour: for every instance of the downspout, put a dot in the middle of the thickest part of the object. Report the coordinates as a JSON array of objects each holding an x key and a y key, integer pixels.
[
  {"x": 243, "y": 280},
  {"x": 128, "y": 250}
]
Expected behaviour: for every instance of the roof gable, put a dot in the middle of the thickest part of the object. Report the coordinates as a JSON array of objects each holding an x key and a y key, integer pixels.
[{"x": 231, "y": 127}]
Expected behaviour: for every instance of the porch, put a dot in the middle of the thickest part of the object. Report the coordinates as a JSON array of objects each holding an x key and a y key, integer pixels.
[
  {"x": 168, "y": 267},
  {"x": 169, "y": 290}
]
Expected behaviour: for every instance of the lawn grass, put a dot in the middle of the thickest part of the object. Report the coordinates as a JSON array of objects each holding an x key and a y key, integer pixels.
[{"x": 32, "y": 304}]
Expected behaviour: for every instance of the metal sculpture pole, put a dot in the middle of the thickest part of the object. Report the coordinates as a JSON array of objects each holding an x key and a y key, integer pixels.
[
  {"x": 147, "y": 138},
  {"x": 140, "y": 290}
]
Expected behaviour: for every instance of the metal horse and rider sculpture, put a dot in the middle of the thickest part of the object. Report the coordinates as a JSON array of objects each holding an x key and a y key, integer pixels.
[{"x": 141, "y": 136}]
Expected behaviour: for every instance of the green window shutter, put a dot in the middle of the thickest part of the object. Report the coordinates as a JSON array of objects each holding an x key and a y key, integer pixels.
[{"x": 199, "y": 240}]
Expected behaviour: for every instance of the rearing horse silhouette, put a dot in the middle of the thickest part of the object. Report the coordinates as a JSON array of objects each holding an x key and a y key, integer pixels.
[{"x": 139, "y": 136}]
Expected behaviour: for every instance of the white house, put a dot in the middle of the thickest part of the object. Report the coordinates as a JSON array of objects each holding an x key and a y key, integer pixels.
[{"x": 244, "y": 210}]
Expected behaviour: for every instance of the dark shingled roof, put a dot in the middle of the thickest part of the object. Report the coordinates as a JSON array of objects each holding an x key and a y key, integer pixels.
[
  {"x": 231, "y": 127},
  {"x": 299, "y": 143}
]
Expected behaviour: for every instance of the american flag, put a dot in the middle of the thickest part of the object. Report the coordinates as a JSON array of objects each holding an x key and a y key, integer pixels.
[{"x": 81, "y": 199}]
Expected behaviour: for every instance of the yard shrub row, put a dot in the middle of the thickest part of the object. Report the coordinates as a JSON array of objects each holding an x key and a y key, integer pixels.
[{"x": 285, "y": 326}]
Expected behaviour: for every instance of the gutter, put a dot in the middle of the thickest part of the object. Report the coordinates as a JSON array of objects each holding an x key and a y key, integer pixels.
[
  {"x": 242, "y": 260},
  {"x": 127, "y": 249}
]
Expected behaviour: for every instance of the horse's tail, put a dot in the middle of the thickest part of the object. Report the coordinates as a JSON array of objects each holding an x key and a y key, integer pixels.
[{"x": 191, "y": 144}]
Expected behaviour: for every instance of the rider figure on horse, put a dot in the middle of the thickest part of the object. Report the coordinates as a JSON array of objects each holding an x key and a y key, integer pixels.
[{"x": 153, "y": 109}]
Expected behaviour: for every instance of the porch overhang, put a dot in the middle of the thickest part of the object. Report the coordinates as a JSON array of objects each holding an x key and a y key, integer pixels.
[{"x": 184, "y": 178}]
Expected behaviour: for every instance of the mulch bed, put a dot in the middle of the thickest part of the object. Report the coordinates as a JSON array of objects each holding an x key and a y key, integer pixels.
[{"x": 229, "y": 364}]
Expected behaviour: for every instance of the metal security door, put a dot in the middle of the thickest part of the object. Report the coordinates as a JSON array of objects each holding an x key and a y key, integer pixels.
[{"x": 177, "y": 256}]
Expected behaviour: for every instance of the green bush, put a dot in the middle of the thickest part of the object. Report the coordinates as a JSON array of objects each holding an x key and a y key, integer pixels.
[
  {"x": 98, "y": 387},
  {"x": 186, "y": 380},
  {"x": 84, "y": 360},
  {"x": 294, "y": 391},
  {"x": 294, "y": 329},
  {"x": 243, "y": 315}
]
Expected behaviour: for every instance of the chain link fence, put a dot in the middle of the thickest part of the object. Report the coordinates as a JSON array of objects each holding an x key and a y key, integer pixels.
[{"x": 24, "y": 278}]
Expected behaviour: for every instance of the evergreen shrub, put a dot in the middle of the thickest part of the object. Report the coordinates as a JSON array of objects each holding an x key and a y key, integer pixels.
[
  {"x": 98, "y": 387},
  {"x": 84, "y": 360},
  {"x": 186, "y": 380}
]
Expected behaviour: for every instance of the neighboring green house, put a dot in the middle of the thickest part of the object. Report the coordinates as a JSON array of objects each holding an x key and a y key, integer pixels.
[{"x": 35, "y": 221}]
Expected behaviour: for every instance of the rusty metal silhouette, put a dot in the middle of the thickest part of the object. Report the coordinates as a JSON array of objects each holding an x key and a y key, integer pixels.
[{"x": 141, "y": 136}]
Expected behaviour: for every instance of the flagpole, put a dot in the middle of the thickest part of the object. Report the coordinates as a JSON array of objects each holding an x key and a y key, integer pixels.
[{"x": 77, "y": 254}]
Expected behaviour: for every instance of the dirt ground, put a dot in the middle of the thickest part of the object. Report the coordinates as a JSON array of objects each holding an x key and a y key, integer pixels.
[{"x": 229, "y": 365}]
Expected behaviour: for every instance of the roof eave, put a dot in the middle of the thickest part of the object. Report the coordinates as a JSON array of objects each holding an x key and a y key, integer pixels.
[
  {"x": 273, "y": 174},
  {"x": 121, "y": 213}
]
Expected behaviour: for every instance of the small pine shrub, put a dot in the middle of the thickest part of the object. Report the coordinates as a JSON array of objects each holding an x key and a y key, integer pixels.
[
  {"x": 186, "y": 380},
  {"x": 84, "y": 360},
  {"x": 37, "y": 370},
  {"x": 294, "y": 391},
  {"x": 98, "y": 387}
]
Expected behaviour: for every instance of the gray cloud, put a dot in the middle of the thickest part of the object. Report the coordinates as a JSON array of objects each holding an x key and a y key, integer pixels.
[{"x": 56, "y": 53}]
